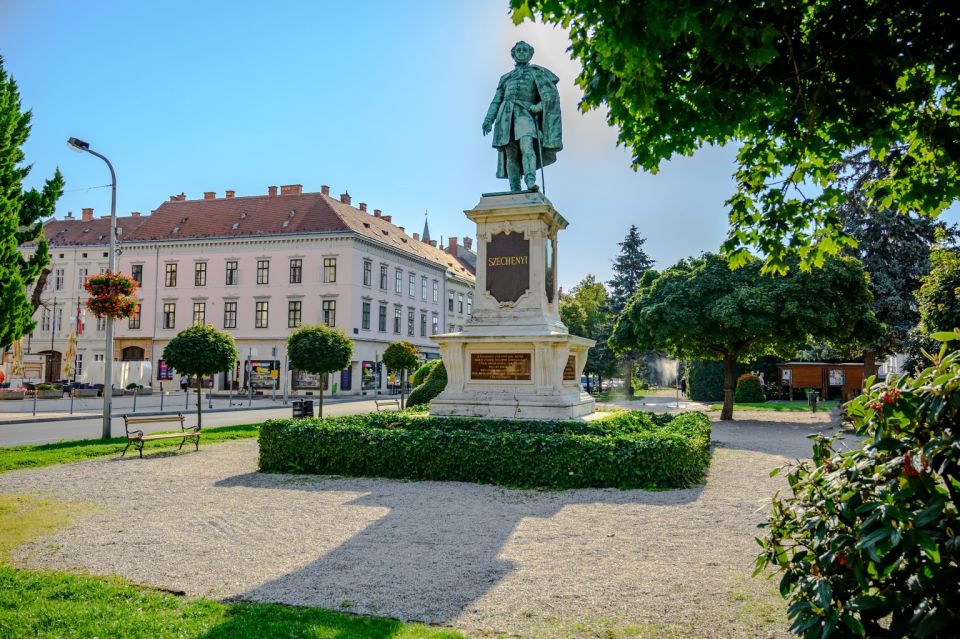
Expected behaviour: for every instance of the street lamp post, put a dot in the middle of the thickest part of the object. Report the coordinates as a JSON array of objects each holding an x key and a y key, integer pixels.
[{"x": 84, "y": 147}]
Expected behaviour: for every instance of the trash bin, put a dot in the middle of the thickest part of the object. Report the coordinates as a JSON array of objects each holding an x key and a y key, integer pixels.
[
  {"x": 298, "y": 408},
  {"x": 307, "y": 408}
]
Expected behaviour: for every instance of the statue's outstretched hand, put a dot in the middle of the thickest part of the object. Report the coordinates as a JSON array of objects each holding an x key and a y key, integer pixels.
[{"x": 487, "y": 127}]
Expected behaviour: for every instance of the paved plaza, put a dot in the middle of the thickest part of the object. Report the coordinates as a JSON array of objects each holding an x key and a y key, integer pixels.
[{"x": 481, "y": 558}]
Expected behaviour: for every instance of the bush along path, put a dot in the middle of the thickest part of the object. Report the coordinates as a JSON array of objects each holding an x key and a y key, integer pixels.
[{"x": 627, "y": 449}]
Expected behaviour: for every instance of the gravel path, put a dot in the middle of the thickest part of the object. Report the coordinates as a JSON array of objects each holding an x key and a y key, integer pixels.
[{"x": 481, "y": 558}]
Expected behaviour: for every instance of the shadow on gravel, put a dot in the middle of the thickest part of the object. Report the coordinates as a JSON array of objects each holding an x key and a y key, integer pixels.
[
  {"x": 435, "y": 552},
  {"x": 784, "y": 438}
]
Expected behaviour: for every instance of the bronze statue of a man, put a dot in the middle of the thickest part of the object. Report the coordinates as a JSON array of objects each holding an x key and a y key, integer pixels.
[{"x": 525, "y": 118}]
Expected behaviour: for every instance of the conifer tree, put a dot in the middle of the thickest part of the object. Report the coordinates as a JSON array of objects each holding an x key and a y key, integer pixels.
[
  {"x": 628, "y": 268},
  {"x": 21, "y": 217}
]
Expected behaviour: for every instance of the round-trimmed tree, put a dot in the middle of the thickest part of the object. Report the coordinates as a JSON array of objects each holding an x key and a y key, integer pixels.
[
  {"x": 319, "y": 349},
  {"x": 401, "y": 356},
  {"x": 198, "y": 351}
]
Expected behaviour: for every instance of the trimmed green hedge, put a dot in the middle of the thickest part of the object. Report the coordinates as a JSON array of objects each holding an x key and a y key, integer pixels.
[
  {"x": 433, "y": 385},
  {"x": 628, "y": 449},
  {"x": 749, "y": 390},
  {"x": 423, "y": 372}
]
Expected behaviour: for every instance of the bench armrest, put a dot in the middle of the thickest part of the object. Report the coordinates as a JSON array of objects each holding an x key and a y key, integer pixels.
[
  {"x": 131, "y": 433},
  {"x": 185, "y": 428}
]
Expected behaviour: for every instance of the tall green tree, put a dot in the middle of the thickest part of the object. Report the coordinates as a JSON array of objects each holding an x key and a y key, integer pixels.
[
  {"x": 402, "y": 357},
  {"x": 629, "y": 267},
  {"x": 320, "y": 350},
  {"x": 199, "y": 351},
  {"x": 938, "y": 298},
  {"x": 21, "y": 217},
  {"x": 795, "y": 85},
  {"x": 585, "y": 312},
  {"x": 702, "y": 309}
]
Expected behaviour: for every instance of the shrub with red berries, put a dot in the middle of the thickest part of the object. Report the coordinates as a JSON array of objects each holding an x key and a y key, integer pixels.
[
  {"x": 111, "y": 295},
  {"x": 867, "y": 541}
]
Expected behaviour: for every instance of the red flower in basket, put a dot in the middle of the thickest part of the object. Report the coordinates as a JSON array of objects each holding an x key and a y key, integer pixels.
[{"x": 111, "y": 295}]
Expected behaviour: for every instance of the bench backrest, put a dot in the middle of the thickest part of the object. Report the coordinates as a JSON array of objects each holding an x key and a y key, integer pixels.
[{"x": 129, "y": 420}]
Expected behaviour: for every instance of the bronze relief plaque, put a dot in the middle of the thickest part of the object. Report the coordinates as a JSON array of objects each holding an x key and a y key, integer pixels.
[
  {"x": 508, "y": 266},
  {"x": 570, "y": 371},
  {"x": 500, "y": 366}
]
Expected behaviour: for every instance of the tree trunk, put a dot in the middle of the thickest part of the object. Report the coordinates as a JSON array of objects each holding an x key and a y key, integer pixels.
[
  {"x": 728, "y": 367},
  {"x": 869, "y": 364},
  {"x": 628, "y": 374},
  {"x": 38, "y": 287},
  {"x": 588, "y": 382},
  {"x": 199, "y": 397}
]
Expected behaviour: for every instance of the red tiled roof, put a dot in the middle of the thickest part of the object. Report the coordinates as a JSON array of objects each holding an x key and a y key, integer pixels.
[
  {"x": 262, "y": 215},
  {"x": 76, "y": 232}
]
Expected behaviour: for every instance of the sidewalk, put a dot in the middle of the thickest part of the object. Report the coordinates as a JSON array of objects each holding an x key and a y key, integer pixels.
[{"x": 56, "y": 410}]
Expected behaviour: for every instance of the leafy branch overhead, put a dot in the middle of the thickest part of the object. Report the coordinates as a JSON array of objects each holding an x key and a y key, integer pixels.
[{"x": 798, "y": 86}]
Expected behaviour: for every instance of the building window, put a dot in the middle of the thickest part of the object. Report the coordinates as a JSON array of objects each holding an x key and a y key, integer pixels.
[
  {"x": 263, "y": 271},
  {"x": 469, "y": 303},
  {"x": 423, "y": 324},
  {"x": 170, "y": 314},
  {"x": 134, "y": 320},
  {"x": 101, "y": 321},
  {"x": 294, "y": 313},
  {"x": 436, "y": 291},
  {"x": 200, "y": 274},
  {"x": 45, "y": 320},
  {"x": 450, "y": 301},
  {"x": 410, "y": 322},
  {"x": 78, "y": 364},
  {"x": 423, "y": 288},
  {"x": 382, "y": 320},
  {"x": 82, "y": 276},
  {"x": 436, "y": 325},
  {"x": 367, "y": 273},
  {"x": 58, "y": 279},
  {"x": 170, "y": 275},
  {"x": 330, "y": 269},
  {"x": 330, "y": 312},
  {"x": 229, "y": 314},
  {"x": 233, "y": 274},
  {"x": 412, "y": 285},
  {"x": 397, "y": 319},
  {"x": 136, "y": 272},
  {"x": 383, "y": 277},
  {"x": 263, "y": 311},
  {"x": 451, "y": 328},
  {"x": 98, "y": 357},
  {"x": 365, "y": 317},
  {"x": 460, "y": 303},
  {"x": 199, "y": 313},
  {"x": 296, "y": 272},
  {"x": 398, "y": 282}
]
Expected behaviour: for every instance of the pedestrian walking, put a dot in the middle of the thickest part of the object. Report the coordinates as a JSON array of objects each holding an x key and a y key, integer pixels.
[
  {"x": 683, "y": 386},
  {"x": 184, "y": 383}
]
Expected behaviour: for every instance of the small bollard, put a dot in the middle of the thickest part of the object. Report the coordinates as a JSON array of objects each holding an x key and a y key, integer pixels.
[
  {"x": 134, "y": 400},
  {"x": 210, "y": 399},
  {"x": 35, "y": 402},
  {"x": 161, "y": 398},
  {"x": 72, "y": 391},
  {"x": 186, "y": 399}
]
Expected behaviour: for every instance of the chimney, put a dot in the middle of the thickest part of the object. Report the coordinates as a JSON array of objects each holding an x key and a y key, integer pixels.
[
  {"x": 69, "y": 215},
  {"x": 433, "y": 243},
  {"x": 452, "y": 246},
  {"x": 182, "y": 197},
  {"x": 229, "y": 193},
  {"x": 402, "y": 230},
  {"x": 324, "y": 189},
  {"x": 468, "y": 243},
  {"x": 363, "y": 207},
  {"x": 135, "y": 214},
  {"x": 376, "y": 212},
  {"x": 291, "y": 189},
  {"x": 416, "y": 237},
  {"x": 209, "y": 195},
  {"x": 345, "y": 198},
  {"x": 387, "y": 218},
  {"x": 271, "y": 191},
  {"x": 87, "y": 215}
]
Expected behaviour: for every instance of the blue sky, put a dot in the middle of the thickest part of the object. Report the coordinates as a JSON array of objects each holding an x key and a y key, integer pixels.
[{"x": 384, "y": 99}]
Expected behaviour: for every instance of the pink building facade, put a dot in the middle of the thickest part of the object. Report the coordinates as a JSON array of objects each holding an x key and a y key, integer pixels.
[{"x": 258, "y": 267}]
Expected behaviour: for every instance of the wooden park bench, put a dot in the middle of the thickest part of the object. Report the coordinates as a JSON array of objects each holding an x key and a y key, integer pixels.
[
  {"x": 137, "y": 437},
  {"x": 386, "y": 403}
]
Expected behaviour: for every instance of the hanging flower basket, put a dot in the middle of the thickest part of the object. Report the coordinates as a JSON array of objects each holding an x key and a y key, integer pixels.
[{"x": 111, "y": 295}]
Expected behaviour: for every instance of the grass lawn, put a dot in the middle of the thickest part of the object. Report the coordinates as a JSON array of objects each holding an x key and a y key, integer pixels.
[
  {"x": 609, "y": 396},
  {"x": 62, "y": 452},
  {"x": 782, "y": 405}
]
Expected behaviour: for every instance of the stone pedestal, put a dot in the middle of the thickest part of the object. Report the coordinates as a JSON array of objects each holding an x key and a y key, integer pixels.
[{"x": 514, "y": 357}]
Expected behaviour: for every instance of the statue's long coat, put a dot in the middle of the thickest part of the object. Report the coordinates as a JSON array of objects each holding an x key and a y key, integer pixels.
[{"x": 551, "y": 130}]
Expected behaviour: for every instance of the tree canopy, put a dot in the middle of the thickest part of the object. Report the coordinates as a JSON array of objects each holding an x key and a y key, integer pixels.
[
  {"x": 199, "y": 351},
  {"x": 628, "y": 267},
  {"x": 401, "y": 356},
  {"x": 702, "y": 309},
  {"x": 21, "y": 217},
  {"x": 585, "y": 312},
  {"x": 796, "y": 85},
  {"x": 319, "y": 349},
  {"x": 938, "y": 298}
]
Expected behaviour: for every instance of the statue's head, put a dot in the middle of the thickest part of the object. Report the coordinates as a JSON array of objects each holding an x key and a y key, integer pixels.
[{"x": 521, "y": 52}]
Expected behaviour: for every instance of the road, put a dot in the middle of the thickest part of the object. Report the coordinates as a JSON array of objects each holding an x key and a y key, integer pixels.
[{"x": 23, "y": 433}]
